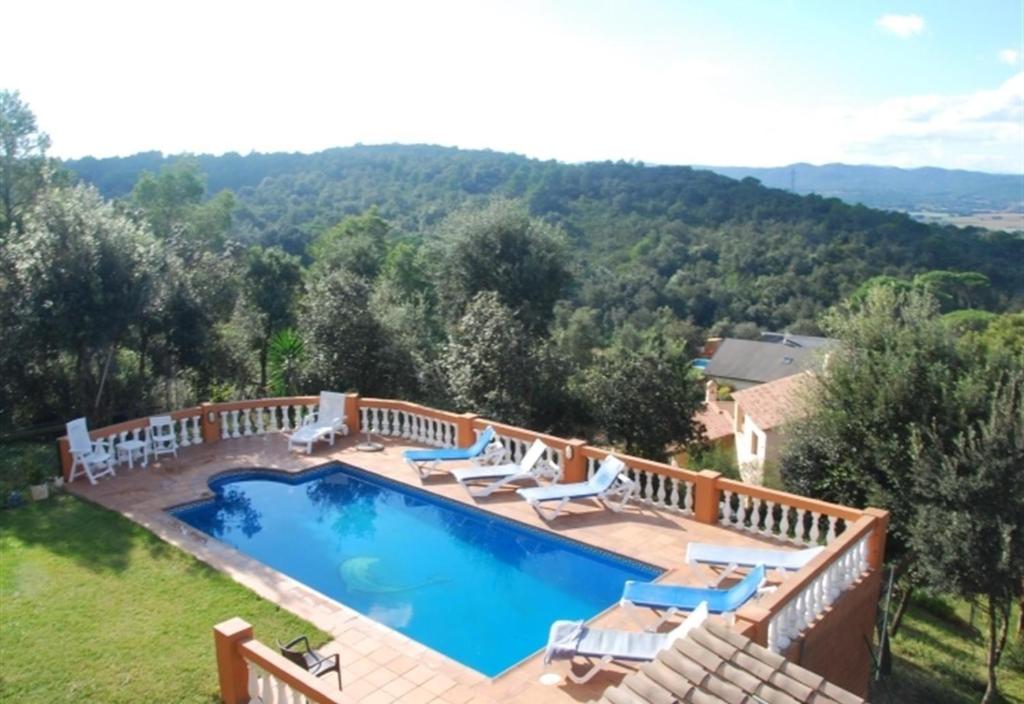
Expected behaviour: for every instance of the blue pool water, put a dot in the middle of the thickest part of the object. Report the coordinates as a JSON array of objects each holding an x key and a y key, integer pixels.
[
  {"x": 700, "y": 363},
  {"x": 478, "y": 588}
]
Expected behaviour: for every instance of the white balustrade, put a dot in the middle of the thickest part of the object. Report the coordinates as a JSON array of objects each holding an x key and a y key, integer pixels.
[
  {"x": 517, "y": 447},
  {"x": 656, "y": 489},
  {"x": 804, "y": 608},
  {"x": 264, "y": 688},
  {"x": 259, "y": 420},
  {"x": 772, "y": 518},
  {"x": 400, "y": 423}
]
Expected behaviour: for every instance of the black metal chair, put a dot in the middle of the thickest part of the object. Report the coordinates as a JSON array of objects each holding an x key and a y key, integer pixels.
[{"x": 309, "y": 659}]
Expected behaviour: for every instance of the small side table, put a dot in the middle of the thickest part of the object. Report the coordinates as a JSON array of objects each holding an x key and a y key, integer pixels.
[{"x": 126, "y": 451}]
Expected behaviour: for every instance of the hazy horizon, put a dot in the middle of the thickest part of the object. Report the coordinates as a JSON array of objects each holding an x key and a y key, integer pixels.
[{"x": 736, "y": 83}]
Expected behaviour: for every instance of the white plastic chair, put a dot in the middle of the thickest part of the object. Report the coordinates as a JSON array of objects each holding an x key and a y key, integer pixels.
[
  {"x": 600, "y": 646},
  {"x": 90, "y": 457},
  {"x": 610, "y": 485},
  {"x": 162, "y": 439},
  {"x": 532, "y": 467},
  {"x": 322, "y": 424}
]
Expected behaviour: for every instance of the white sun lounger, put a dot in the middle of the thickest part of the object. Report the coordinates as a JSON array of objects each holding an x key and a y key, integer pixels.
[
  {"x": 599, "y": 646},
  {"x": 532, "y": 467},
  {"x": 610, "y": 485},
  {"x": 321, "y": 424},
  {"x": 732, "y": 557}
]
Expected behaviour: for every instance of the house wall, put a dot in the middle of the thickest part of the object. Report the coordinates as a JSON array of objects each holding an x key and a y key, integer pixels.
[{"x": 751, "y": 463}]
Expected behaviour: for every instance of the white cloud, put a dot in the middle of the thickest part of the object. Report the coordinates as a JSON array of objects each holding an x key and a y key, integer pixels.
[
  {"x": 1011, "y": 57},
  {"x": 981, "y": 130},
  {"x": 902, "y": 26}
]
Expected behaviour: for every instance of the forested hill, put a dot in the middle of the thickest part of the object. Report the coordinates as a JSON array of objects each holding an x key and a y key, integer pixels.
[
  {"x": 708, "y": 247},
  {"x": 952, "y": 191}
]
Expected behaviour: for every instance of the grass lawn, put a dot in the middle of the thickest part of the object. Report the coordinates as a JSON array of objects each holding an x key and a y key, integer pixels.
[
  {"x": 94, "y": 608},
  {"x": 938, "y": 658}
]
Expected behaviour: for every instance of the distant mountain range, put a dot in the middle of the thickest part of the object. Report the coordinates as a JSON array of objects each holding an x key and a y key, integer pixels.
[{"x": 922, "y": 192}]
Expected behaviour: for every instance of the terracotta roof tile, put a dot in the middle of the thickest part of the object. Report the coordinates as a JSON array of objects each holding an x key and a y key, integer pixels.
[
  {"x": 716, "y": 417},
  {"x": 772, "y": 404},
  {"x": 715, "y": 665}
]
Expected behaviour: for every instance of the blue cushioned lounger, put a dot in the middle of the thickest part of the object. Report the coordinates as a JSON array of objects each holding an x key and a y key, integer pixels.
[
  {"x": 673, "y": 599},
  {"x": 423, "y": 461}
]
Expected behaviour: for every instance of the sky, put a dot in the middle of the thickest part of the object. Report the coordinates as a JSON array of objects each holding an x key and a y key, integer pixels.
[{"x": 724, "y": 82}]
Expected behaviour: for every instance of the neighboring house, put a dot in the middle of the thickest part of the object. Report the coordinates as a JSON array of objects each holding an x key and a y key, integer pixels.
[
  {"x": 759, "y": 419},
  {"x": 742, "y": 364},
  {"x": 754, "y": 421}
]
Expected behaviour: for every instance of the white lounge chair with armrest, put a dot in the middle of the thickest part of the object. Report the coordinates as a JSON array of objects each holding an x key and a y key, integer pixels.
[
  {"x": 94, "y": 458},
  {"x": 672, "y": 599},
  {"x": 600, "y": 646},
  {"x": 610, "y": 485},
  {"x": 322, "y": 424},
  {"x": 162, "y": 440},
  {"x": 731, "y": 557},
  {"x": 532, "y": 467}
]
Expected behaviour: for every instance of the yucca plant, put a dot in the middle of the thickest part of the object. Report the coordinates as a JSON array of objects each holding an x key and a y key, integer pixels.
[{"x": 286, "y": 358}]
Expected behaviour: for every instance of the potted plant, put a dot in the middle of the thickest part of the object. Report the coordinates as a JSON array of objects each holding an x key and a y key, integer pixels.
[{"x": 39, "y": 472}]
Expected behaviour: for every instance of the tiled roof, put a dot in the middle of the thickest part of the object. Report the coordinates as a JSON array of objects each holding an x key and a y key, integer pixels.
[
  {"x": 716, "y": 418},
  {"x": 772, "y": 404},
  {"x": 752, "y": 360},
  {"x": 790, "y": 340},
  {"x": 715, "y": 665}
]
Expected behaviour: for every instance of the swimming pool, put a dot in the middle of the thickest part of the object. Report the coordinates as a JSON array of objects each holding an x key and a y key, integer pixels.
[{"x": 477, "y": 587}]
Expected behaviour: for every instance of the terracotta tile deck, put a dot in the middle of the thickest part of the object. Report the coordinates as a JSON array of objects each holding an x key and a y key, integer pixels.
[{"x": 379, "y": 664}]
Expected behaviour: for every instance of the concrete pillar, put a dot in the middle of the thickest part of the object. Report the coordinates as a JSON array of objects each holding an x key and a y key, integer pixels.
[
  {"x": 464, "y": 435},
  {"x": 352, "y": 412},
  {"x": 209, "y": 424},
  {"x": 705, "y": 506},
  {"x": 876, "y": 551},
  {"x": 64, "y": 450},
  {"x": 232, "y": 672},
  {"x": 574, "y": 464},
  {"x": 755, "y": 622}
]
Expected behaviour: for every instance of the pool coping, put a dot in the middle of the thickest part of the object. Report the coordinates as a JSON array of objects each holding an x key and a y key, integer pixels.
[{"x": 301, "y": 474}]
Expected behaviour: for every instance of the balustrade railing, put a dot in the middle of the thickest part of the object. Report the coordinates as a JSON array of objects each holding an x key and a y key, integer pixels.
[
  {"x": 657, "y": 485},
  {"x": 270, "y": 415},
  {"x": 801, "y": 600},
  {"x": 517, "y": 442},
  {"x": 408, "y": 421},
  {"x": 777, "y": 514}
]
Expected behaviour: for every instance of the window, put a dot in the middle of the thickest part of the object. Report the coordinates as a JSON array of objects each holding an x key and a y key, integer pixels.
[{"x": 753, "y": 444}]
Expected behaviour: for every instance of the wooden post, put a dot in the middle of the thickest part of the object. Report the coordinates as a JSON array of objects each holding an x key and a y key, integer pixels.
[
  {"x": 208, "y": 424},
  {"x": 876, "y": 551},
  {"x": 464, "y": 435},
  {"x": 573, "y": 461},
  {"x": 64, "y": 451},
  {"x": 705, "y": 507},
  {"x": 232, "y": 671},
  {"x": 352, "y": 412}
]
